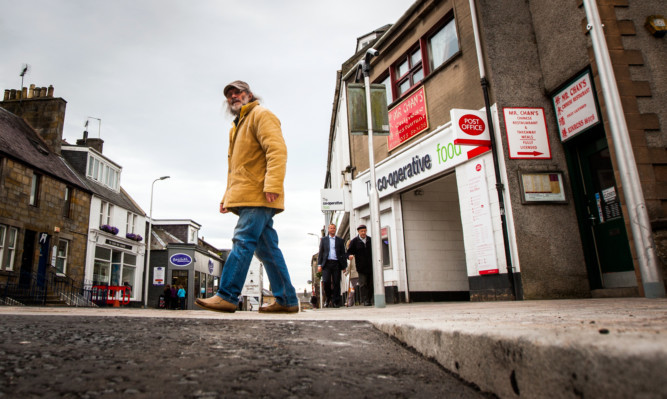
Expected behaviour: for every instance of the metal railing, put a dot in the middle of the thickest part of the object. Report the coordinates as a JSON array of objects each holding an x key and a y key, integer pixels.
[{"x": 30, "y": 288}]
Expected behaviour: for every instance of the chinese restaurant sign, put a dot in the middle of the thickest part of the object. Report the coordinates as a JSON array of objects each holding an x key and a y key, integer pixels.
[
  {"x": 575, "y": 106},
  {"x": 407, "y": 119}
]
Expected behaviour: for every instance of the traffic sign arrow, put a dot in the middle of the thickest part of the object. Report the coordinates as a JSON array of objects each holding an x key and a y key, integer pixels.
[{"x": 533, "y": 153}]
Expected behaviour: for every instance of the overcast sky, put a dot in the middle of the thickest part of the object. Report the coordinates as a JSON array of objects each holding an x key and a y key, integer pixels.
[{"x": 153, "y": 72}]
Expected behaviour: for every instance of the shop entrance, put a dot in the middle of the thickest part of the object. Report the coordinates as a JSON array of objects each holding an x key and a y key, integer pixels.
[
  {"x": 27, "y": 258},
  {"x": 601, "y": 223},
  {"x": 435, "y": 254}
]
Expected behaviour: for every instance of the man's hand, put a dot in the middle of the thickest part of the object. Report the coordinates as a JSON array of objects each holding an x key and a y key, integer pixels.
[
  {"x": 319, "y": 269},
  {"x": 351, "y": 257},
  {"x": 271, "y": 196},
  {"x": 223, "y": 209}
]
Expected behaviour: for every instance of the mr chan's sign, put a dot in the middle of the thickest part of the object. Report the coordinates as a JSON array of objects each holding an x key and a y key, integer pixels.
[
  {"x": 180, "y": 260},
  {"x": 470, "y": 127}
]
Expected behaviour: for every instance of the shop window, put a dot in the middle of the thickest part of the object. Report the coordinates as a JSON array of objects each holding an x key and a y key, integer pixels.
[
  {"x": 129, "y": 271},
  {"x": 443, "y": 45},
  {"x": 61, "y": 256},
  {"x": 68, "y": 202},
  {"x": 34, "y": 189},
  {"x": 386, "y": 251},
  {"x": 102, "y": 266}
]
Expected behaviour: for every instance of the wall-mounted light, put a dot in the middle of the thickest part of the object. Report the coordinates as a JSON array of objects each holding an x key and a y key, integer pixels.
[{"x": 656, "y": 25}]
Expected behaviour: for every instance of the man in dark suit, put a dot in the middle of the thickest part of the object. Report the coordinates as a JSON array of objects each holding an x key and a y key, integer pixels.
[
  {"x": 360, "y": 250},
  {"x": 331, "y": 261}
]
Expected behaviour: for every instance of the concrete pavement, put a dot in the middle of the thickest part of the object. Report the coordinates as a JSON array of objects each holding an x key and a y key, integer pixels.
[{"x": 612, "y": 348}]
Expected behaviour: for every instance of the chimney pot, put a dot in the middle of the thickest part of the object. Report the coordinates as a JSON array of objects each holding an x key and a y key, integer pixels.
[
  {"x": 24, "y": 92},
  {"x": 7, "y": 93},
  {"x": 42, "y": 92},
  {"x": 50, "y": 91},
  {"x": 31, "y": 91},
  {"x": 12, "y": 94}
]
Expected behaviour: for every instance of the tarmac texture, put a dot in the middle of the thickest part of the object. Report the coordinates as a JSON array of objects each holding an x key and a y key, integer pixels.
[
  {"x": 583, "y": 348},
  {"x": 130, "y": 357}
]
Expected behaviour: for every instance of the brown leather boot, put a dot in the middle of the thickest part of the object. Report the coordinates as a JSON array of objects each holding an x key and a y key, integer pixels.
[
  {"x": 216, "y": 304},
  {"x": 275, "y": 307}
]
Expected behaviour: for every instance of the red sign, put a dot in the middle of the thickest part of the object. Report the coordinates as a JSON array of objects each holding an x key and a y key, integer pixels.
[
  {"x": 472, "y": 124},
  {"x": 407, "y": 119},
  {"x": 470, "y": 127}
]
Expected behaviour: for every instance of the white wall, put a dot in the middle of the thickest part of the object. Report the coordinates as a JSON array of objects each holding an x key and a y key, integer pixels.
[{"x": 435, "y": 254}]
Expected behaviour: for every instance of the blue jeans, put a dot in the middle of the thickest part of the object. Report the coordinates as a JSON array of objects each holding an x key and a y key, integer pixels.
[{"x": 254, "y": 234}]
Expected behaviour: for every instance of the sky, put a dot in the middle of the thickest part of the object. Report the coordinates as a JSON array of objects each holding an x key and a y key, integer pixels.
[{"x": 150, "y": 74}]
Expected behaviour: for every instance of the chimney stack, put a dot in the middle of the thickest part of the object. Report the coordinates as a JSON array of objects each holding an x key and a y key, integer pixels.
[
  {"x": 97, "y": 144},
  {"x": 40, "y": 110}
]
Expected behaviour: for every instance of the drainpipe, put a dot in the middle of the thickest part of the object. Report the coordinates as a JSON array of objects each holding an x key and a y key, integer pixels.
[
  {"x": 627, "y": 166},
  {"x": 494, "y": 151}
]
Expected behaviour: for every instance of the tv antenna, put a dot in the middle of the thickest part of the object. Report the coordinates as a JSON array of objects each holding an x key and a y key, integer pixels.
[{"x": 24, "y": 70}]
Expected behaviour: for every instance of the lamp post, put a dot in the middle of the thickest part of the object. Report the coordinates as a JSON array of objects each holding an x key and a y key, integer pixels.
[{"x": 148, "y": 242}]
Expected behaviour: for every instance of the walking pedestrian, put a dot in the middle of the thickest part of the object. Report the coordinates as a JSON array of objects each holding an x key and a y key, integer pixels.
[
  {"x": 181, "y": 297},
  {"x": 331, "y": 260},
  {"x": 167, "y": 296},
  {"x": 360, "y": 250},
  {"x": 257, "y": 161}
]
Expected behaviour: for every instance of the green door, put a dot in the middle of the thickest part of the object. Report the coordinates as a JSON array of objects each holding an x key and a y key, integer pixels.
[{"x": 600, "y": 216}]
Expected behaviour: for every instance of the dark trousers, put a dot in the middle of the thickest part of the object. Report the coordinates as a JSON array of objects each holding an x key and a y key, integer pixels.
[
  {"x": 366, "y": 287},
  {"x": 331, "y": 281}
]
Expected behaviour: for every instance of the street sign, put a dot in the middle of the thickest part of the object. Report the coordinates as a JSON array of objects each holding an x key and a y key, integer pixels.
[
  {"x": 527, "y": 136},
  {"x": 576, "y": 107},
  {"x": 470, "y": 127}
]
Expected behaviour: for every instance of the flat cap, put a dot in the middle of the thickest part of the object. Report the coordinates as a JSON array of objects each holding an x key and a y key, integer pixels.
[
  {"x": 238, "y": 84},
  {"x": 361, "y": 226}
]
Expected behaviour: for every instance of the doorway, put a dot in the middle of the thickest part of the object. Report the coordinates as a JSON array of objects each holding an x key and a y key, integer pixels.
[
  {"x": 601, "y": 222},
  {"x": 27, "y": 258}
]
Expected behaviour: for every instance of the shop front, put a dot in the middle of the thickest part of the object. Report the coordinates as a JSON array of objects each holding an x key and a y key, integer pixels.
[{"x": 441, "y": 231}]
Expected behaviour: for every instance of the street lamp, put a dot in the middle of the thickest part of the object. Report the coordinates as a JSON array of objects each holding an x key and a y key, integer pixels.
[{"x": 148, "y": 242}]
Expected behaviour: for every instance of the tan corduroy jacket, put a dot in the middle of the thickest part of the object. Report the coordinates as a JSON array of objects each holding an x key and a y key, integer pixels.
[{"x": 257, "y": 160}]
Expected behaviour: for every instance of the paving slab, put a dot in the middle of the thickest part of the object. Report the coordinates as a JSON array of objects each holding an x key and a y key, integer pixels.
[{"x": 613, "y": 348}]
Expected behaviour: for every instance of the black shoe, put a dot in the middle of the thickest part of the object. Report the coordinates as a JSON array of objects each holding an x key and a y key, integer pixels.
[
  {"x": 368, "y": 304},
  {"x": 336, "y": 305}
]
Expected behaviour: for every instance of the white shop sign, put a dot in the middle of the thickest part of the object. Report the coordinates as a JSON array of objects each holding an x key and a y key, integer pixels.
[
  {"x": 527, "y": 136},
  {"x": 575, "y": 106},
  {"x": 332, "y": 199},
  {"x": 434, "y": 155},
  {"x": 482, "y": 231}
]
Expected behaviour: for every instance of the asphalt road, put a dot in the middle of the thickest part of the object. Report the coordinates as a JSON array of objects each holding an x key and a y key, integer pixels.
[{"x": 133, "y": 357}]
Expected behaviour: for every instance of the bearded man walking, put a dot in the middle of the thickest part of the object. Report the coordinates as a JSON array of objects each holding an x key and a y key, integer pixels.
[{"x": 257, "y": 162}]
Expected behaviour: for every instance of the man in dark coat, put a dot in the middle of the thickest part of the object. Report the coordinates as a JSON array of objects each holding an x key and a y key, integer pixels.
[
  {"x": 360, "y": 250},
  {"x": 331, "y": 261}
]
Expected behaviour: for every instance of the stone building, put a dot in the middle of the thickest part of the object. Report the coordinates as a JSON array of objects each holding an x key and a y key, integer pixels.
[
  {"x": 566, "y": 231},
  {"x": 44, "y": 206}
]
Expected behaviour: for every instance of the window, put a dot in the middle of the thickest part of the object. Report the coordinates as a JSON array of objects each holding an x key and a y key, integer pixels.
[
  {"x": 437, "y": 47},
  {"x": 68, "y": 202},
  {"x": 101, "y": 266},
  {"x": 34, "y": 190},
  {"x": 442, "y": 45},
  {"x": 130, "y": 223},
  {"x": 7, "y": 246},
  {"x": 106, "y": 213},
  {"x": 387, "y": 84},
  {"x": 61, "y": 256},
  {"x": 409, "y": 71},
  {"x": 103, "y": 173}
]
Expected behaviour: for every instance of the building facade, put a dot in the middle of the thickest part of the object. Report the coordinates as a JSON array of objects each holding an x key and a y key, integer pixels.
[
  {"x": 565, "y": 232},
  {"x": 116, "y": 247},
  {"x": 44, "y": 206},
  {"x": 179, "y": 257}
]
